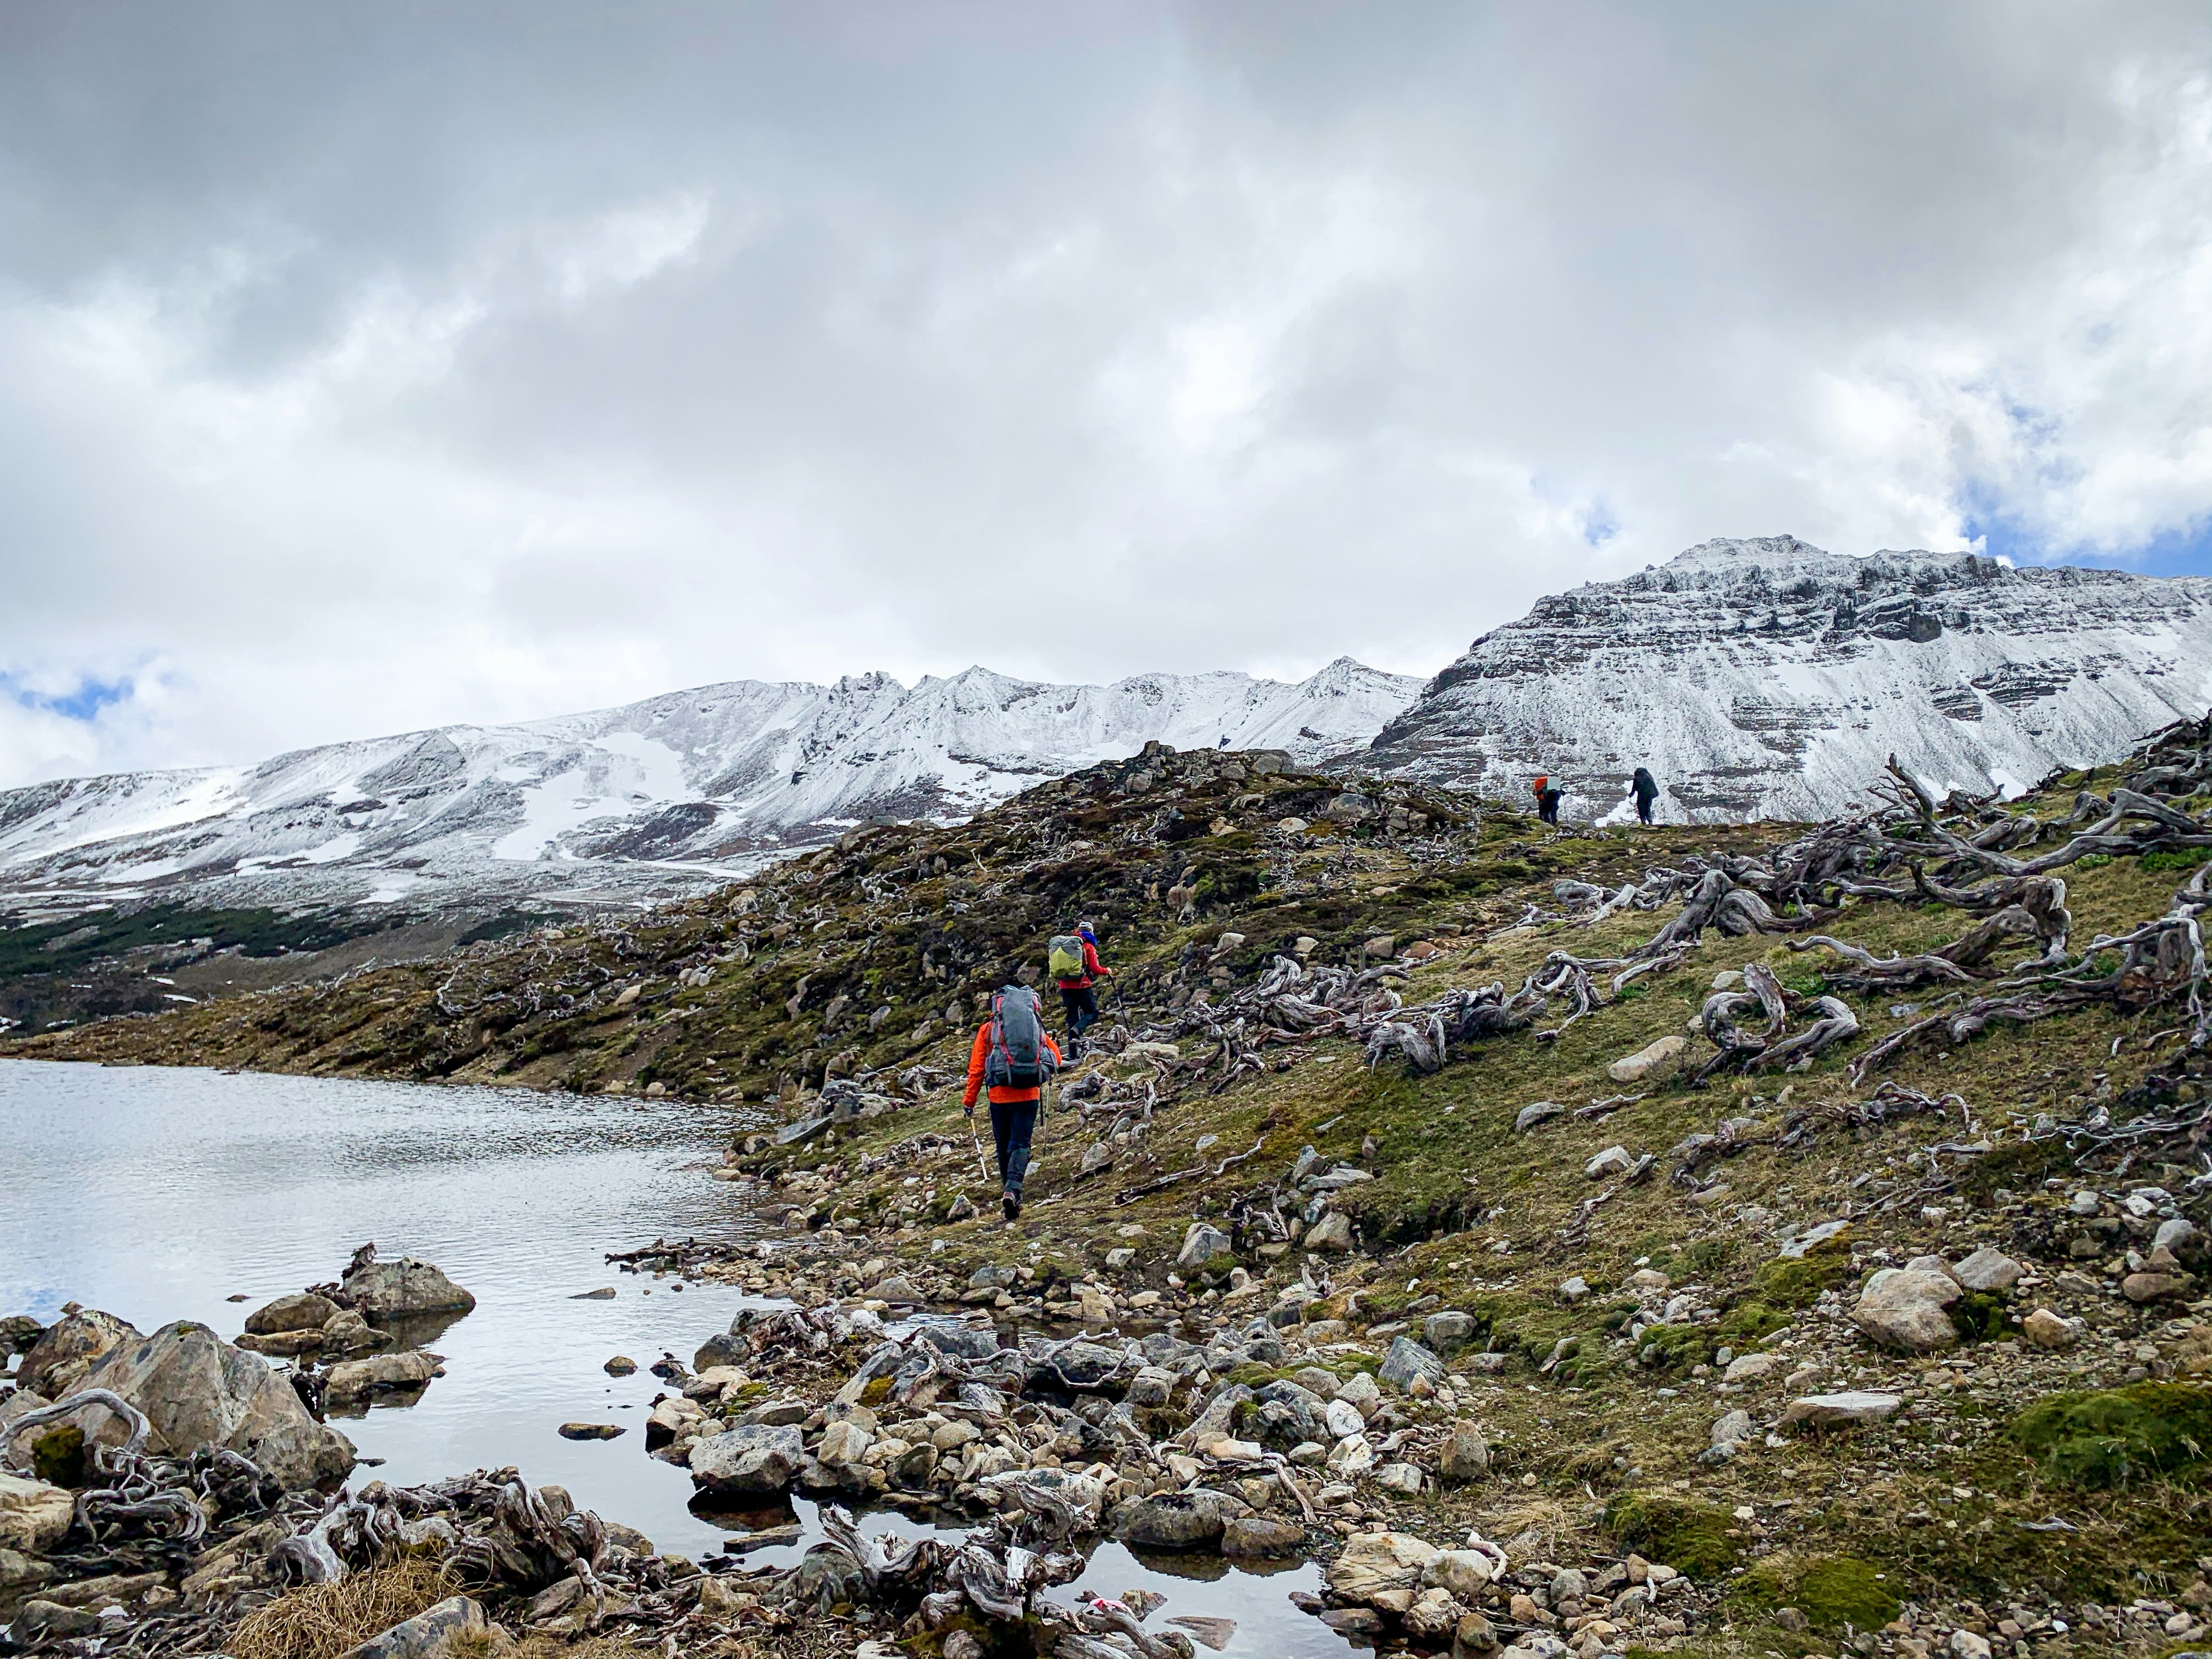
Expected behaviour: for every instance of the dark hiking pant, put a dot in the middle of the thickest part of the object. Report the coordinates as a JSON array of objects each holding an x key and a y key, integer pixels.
[
  {"x": 1644, "y": 807},
  {"x": 1081, "y": 1007},
  {"x": 1011, "y": 1125},
  {"x": 1548, "y": 807}
]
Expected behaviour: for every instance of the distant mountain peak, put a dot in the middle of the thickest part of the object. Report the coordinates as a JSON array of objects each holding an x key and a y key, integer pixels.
[{"x": 1768, "y": 677}]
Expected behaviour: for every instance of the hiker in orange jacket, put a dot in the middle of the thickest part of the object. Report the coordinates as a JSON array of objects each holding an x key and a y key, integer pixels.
[{"x": 1009, "y": 1059}]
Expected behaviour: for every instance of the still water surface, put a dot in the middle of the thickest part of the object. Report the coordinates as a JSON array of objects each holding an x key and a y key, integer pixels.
[{"x": 158, "y": 1194}]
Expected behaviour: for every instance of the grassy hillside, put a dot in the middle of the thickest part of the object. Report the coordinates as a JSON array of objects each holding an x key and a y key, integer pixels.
[{"x": 2057, "y": 1049}]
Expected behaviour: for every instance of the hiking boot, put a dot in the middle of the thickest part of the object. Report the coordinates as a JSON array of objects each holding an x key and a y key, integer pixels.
[{"x": 1012, "y": 1203}]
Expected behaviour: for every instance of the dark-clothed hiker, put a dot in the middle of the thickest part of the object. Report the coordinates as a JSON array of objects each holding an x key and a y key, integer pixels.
[
  {"x": 1073, "y": 961},
  {"x": 1645, "y": 788},
  {"x": 1548, "y": 802},
  {"x": 1013, "y": 1058}
]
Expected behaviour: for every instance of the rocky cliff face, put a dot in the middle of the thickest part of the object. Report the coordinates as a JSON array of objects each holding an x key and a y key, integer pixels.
[
  {"x": 1769, "y": 678},
  {"x": 652, "y": 799}
]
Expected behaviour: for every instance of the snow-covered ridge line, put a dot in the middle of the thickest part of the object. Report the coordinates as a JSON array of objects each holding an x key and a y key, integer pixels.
[
  {"x": 1767, "y": 679},
  {"x": 644, "y": 800}
]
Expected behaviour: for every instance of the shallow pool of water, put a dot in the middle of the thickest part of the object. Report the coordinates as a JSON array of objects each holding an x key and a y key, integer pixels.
[{"x": 160, "y": 1194}]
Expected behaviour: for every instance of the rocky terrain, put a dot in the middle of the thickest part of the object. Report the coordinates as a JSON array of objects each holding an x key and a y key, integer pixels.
[
  {"x": 1766, "y": 679},
  {"x": 1766, "y": 1238}
]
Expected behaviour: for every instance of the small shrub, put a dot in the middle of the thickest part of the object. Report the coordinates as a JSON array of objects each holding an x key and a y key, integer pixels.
[
  {"x": 2169, "y": 860},
  {"x": 2110, "y": 1437}
]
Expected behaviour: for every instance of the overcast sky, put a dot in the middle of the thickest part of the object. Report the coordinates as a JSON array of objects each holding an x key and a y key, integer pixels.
[{"x": 373, "y": 366}]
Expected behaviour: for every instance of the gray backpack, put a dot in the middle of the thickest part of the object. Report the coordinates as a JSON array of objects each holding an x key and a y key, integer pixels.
[{"x": 1015, "y": 1057}]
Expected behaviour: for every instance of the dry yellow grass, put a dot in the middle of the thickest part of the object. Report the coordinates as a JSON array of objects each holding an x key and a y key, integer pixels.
[{"x": 322, "y": 1621}]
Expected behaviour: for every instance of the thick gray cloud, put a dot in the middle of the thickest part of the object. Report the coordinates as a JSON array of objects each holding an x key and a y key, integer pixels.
[{"x": 373, "y": 366}]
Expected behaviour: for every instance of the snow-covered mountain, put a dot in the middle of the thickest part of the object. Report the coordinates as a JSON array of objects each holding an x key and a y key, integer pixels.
[
  {"x": 650, "y": 800},
  {"x": 1768, "y": 678}
]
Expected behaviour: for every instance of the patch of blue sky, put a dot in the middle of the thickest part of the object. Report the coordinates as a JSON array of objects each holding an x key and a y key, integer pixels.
[
  {"x": 2183, "y": 551},
  {"x": 84, "y": 703},
  {"x": 1599, "y": 523}
]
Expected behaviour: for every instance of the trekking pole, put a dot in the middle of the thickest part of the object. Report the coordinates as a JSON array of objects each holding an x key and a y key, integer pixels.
[{"x": 975, "y": 1140}]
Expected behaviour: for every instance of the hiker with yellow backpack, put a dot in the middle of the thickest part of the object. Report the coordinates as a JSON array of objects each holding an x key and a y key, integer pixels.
[{"x": 1073, "y": 960}]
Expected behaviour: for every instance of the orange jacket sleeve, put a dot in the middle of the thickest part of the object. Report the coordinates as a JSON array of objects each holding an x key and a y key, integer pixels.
[
  {"x": 975, "y": 1057},
  {"x": 1054, "y": 1047}
]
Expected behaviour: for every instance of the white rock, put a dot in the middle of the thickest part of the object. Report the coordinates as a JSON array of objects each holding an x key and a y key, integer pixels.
[
  {"x": 1748, "y": 1367},
  {"x": 1987, "y": 1270},
  {"x": 1649, "y": 1064},
  {"x": 1400, "y": 1478},
  {"x": 1825, "y": 1410},
  {"x": 1343, "y": 1418},
  {"x": 1613, "y": 1161},
  {"x": 1901, "y": 1309}
]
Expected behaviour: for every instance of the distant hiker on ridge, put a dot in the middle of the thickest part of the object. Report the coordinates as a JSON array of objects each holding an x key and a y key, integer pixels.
[
  {"x": 1645, "y": 788},
  {"x": 1547, "y": 798},
  {"x": 1073, "y": 960},
  {"x": 1013, "y": 1058}
]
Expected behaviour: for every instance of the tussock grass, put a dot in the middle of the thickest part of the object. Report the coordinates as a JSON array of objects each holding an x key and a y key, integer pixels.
[{"x": 322, "y": 1621}]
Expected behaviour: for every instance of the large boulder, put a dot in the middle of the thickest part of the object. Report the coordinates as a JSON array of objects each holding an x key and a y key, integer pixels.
[
  {"x": 1908, "y": 1310},
  {"x": 1374, "y": 1562},
  {"x": 60, "y": 1359},
  {"x": 34, "y": 1515},
  {"x": 1261, "y": 1537},
  {"x": 383, "y": 1290},
  {"x": 961, "y": 1341},
  {"x": 196, "y": 1390},
  {"x": 305, "y": 1311},
  {"x": 753, "y": 1457},
  {"x": 1176, "y": 1520}
]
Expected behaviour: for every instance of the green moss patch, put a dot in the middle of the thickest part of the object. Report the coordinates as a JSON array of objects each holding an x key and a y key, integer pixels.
[
  {"x": 2110, "y": 1437},
  {"x": 1832, "y": 1591},
  {"x": 1681, "y": 1532}
]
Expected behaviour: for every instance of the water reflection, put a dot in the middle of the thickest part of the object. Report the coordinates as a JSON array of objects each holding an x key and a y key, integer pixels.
[{"x": 160, "y": 1194}]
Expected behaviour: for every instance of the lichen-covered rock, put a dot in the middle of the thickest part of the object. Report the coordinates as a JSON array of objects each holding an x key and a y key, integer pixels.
[
  {"x": 353, "y": 1381},
  {"x": 1373, "y": 1562},
  {"x": 197, "y": 1390},
  {"x": 1466, "y": 1455},
  {"x": 383, "y": 1290},
  {"x": 1260, "y": 1537},
  {"x": 454, "y": 1624},
  {"x": 1651, "y": 1063},
  {"x": 303, "y": 1311},
  {"x": 1333, "y": 1233},
  {"x": 1987, "y": 1270},
  {"x": 1176, "y": 1520},
  {"x": 1854, "y": 1406},
  {"x": 1407, "y": 1360},
  {"x": 63, "y": 1356},
  {"x": 1206, "y": 1248},
  {"x": 1911, "y": 1311},
  {"x": 753, "y": 1457},
  {"x": 34, "y": 1515}
]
